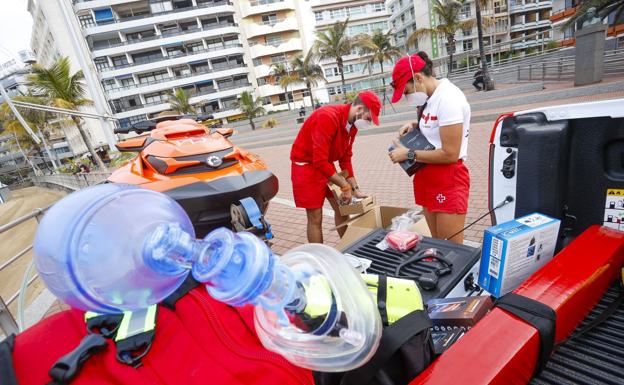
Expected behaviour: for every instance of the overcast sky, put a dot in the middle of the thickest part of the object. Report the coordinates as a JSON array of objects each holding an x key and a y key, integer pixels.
[{"x": 15, "y": 26}]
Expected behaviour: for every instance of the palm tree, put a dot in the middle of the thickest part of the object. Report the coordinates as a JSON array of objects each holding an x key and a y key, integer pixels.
[
  {"x": 64, "y": 90},
  {"x": 334, "y": 43},
  {"x": 308, "y": 72},
  {"x": 34, "y": 118},
  {"x": 284, "y": 77},
  {"x": 250, "y": 107},
  {"x": 179, "y": 102},
  {"x": 488, "y": 85},
  {"x": 448, "y": 12},
  {"x": 379, "y": 49}
]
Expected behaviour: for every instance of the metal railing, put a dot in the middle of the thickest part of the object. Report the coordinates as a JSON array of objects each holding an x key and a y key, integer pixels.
[
  {"x": 72, "y": 181},
  {"x": 564, "y": 68},
  {"x": 168, "y": 57},
  {"x": 8, "y": 325}
]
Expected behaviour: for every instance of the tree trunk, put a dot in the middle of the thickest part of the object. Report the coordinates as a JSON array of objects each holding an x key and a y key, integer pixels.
[
  {"x": 87, "y": 142},
  {"x": 450, "y": 48},
  {"x": 484, "y": 67},
  {"x": 344, "y": 86},
  {"x": 287, "y": 98},
  {"x": 253, "y": 125},
  {"x": 310, "y": 92}
]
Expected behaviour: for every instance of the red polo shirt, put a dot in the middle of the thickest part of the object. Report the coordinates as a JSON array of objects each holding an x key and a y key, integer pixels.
[{"x": 323, "y": 140}]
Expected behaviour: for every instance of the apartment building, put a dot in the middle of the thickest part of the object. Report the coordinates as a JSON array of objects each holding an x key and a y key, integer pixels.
[
  {"x": 52, "y": 38},
  {"x": 364, "y": 18},
  {"x": 273, "y": 31}
]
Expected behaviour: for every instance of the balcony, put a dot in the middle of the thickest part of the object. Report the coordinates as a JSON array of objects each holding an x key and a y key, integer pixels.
[
  {"x": 117, "y": 24},
  {"x": 269, "y": 27},
  {"x": 174, "y": 81},
  {"x": 520, "y": 6},
  {"x": 561, "y": 15},
  {"x": 259, "y": 50},
  {"x": 168, "y": 37},
  {"x": 173, "y": 60},
  {"x": 255, "y": 7},
  {"x": 524, "y": 26},
  {"x": 262, "y": 70}
]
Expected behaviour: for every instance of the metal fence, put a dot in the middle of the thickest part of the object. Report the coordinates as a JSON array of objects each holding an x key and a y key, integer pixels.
[
  {"x": 71, "y": 182},
  {"x": 564, "y": 68},
  {"x": 8, "y": 325}
]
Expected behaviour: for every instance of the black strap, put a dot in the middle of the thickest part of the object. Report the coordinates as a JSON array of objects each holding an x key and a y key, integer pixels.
[
  {"x": 606, "y": 313},
  {"x": 382, "y": 298},
  {"x": 65, "y": 369},
  {"x": 540, "y": 316},
  {"x": 189, "y": 284},
  {"x": 105, "y": 324},
  {"x": 7, "y": 373},
  {"x": 394, "y": 336},
  {"x": 131, "y": 350}
]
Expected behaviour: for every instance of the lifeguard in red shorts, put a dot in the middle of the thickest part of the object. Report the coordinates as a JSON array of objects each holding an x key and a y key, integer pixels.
[
  {"x": 327, "y": 137},
  {"x": 441, "y": 187}
]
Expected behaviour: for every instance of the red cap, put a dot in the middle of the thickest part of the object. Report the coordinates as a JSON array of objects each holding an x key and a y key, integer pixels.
[
  {"x": 371, "y": 101},
  {"x": 402, "y": 73}
]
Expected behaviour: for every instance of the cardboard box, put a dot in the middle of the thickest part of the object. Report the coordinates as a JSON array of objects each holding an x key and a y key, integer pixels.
[
  {"x": 378, "y": 217},
  {"x": 514, "y": 250},
  {"x": 366, "y": 204}
]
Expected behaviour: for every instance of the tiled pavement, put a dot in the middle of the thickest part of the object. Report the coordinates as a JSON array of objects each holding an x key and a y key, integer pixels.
[{"x": 377, "y": 176}]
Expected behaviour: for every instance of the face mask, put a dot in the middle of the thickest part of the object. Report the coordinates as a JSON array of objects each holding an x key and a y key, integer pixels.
[
  {"x": 416, "y": 99},
  {"x": 362, "y": 124}
]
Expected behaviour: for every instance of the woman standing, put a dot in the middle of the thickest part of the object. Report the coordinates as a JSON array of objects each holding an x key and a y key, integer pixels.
[{"x": 441, "y": 187}]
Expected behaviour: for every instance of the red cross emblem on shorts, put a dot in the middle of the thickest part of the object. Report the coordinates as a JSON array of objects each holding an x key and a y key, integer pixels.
[{"x": 441, "y": 198}]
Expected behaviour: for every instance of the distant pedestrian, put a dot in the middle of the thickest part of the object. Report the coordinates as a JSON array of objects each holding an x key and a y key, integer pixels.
[
  {"x": 479, "y": 80},
  {"x": 302, "y": 111}
]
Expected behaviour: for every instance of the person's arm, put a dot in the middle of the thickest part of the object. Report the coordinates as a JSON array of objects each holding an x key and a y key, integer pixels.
[
  {"x": 451, "y": 137},
  {"x": 321, "y": 141}
]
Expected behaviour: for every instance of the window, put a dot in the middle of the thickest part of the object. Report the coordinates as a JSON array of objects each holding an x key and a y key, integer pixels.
[
  {"x": 101, "y": 63},
  {"x": 465, "y": 11},
  {"x": 181, "y": 71},
  {"x": 262, "y": 81},
  {"x": 270, "y": 19},
  {"x": 219, "y": 64},
  {"x": 467, "y": 32},
  {"x": 275, "y": 59},
  {"x": 229, "y": 103},
  {"x": 318, "y": 15},
  {"x": 127, "y": 82},
  {"x": 136, "y": 36},
  {"x": 214, "y": 43},
  {"x": 200, "y": 67},
  {"x": 147, "y": 57},
  {"x": 467, "y": 44},
  {"x": 379, "y": 7},
  {"x": 156, "y": 98},
  {"x": 337, "y": 13},
  {"x": 359, "y": 10},
  {"x": 274, "y": 40},
  {"x": 86, "y": 21},
  {"x": 175, "y": 51},
  {"x": 195, "y": 47},
  {"x": 109, "y": 84},
  {"x": 257, "y": 62},
  {"x": 500, "y": 6},
  {"x": 153, "y": 77}
]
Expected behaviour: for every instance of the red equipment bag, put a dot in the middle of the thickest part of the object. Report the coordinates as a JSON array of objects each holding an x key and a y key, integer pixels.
[{"x": 202, "y": 342}]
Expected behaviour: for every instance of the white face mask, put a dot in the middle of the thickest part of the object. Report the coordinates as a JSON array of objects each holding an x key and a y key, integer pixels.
[
  {"x": 362, "y": 124},
  {"x": 417, "y": 98}
]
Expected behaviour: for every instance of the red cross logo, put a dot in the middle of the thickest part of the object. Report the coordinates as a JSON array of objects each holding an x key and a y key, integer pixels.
[{"x": 441, "y": 198}]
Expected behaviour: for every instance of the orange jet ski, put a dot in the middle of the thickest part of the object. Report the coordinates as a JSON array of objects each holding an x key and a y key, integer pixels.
[{"x": 202, "y": 170}]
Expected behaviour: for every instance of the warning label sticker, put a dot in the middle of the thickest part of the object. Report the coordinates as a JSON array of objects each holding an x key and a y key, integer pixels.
[{"x": 614, "y": 209}]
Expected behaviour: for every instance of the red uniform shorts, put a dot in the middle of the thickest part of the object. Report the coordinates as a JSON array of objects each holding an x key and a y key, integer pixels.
[
  {"x": 309, "y": 186},
  {"x": 443, "y": 188}
]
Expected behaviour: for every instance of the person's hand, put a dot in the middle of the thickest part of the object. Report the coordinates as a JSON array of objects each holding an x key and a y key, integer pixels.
[
  {"x": 408, "y": 127},
  {"x": 359, "y": 194},
  {"x": 346, "y": 196},
  {"x": 399, "y": 154}
]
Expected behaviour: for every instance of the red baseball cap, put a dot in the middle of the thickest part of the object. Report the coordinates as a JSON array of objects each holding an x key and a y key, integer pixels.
[
  {"x": 402, "y": 73},
  {"x": 371, "y": 101}
]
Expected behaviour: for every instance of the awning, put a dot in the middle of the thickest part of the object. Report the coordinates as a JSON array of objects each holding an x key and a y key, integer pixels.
[
  {"x": 103, "y": 14},
  {"x": 204, "y": 61},
  {"x": 171, "y": 44}
]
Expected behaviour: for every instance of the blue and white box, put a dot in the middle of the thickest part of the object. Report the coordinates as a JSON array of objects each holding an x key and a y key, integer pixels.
[{"x": 514, "y": 250}]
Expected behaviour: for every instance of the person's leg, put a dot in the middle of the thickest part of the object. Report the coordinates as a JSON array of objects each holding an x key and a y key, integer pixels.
[
  {"x": 315, "y": 225},
  {"x": 449, "y": 224},
  {"x": 338, "y": 219},
  {"x": 476, "y": 85},
  {"x": 431, "y": 222}
]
